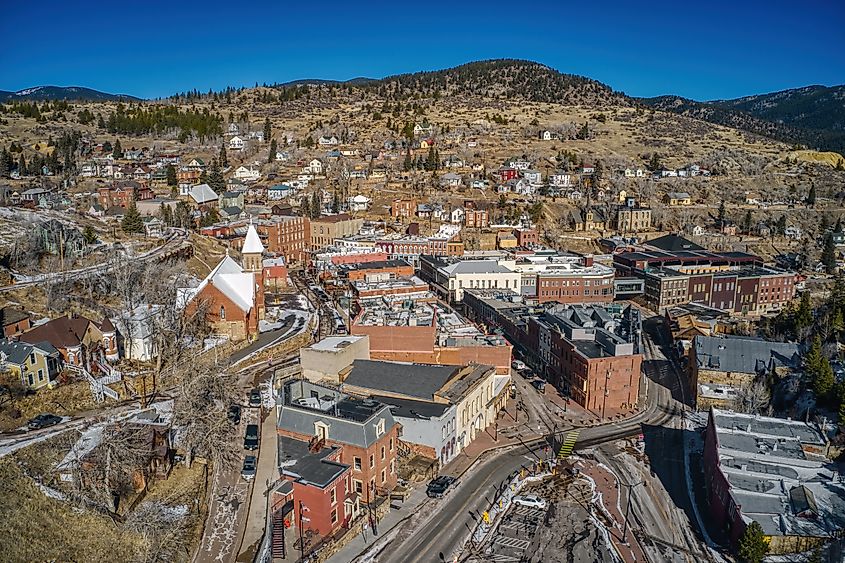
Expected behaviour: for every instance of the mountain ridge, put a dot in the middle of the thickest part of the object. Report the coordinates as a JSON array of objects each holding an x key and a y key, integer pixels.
[{"x": 52, "y": 93}]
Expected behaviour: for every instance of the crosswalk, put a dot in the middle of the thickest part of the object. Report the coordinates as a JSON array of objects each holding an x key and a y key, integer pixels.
[{"x": 568, "y": 444}]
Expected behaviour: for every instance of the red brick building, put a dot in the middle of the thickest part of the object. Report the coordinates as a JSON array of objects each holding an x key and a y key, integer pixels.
[
  {"x": 364, "y": 430},
  {"x": 289, "y": 236},
  {"x": 526, "y": 237},
  {"x": 321, "y": 485},
  {"x": 13, "y": 321},
  {"x": 476, "y": 218},
  {"x": 403, "y": 208}
]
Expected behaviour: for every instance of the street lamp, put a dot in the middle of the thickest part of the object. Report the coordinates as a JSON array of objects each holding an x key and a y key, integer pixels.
[{"x": 628, "y": 508}]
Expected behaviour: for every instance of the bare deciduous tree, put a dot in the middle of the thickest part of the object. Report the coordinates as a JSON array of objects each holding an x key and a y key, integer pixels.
[{"x": 753, "y": 398}]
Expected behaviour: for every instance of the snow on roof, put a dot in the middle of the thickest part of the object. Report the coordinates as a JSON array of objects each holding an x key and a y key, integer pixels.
[
  {"x": 231, "y": 280},
  {"x": 252, "y": 244},
  {"x": 202, "y": 193}
]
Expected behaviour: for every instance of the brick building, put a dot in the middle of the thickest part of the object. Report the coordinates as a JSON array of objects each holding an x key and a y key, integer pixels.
[
  {"x": 526, "y": 237},
  {"x": 403, "y": 208},
  {"x": 325, "y": 229},
  {"x": 364, "y": 430}
]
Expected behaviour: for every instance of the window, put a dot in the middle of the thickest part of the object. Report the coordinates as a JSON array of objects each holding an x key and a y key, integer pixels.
[
  {"x": 222, "y": 313},
  {"x": 393, "y": 467},
  {"x": 383, "y": 476},
  {"x": 334, "y": 515},
  {"x": 321, "y": 429},
  {"x": 372, "y": 461},
  {"x": 382, "y": 453},
  {"x": 358, "y": 486},
  {"x": 380, "y": 427},
  {"x": 41, "y": 375},
  {"x": 32, "y": 358},
  {"x": 391, "y": 444},
  {"x": 333, "y": 496},
  {"x": 357, "y": 463}
]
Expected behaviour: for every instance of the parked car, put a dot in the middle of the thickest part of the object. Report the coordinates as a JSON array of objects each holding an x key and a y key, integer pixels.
[
  {"x": 437, "y": 487},
  {"x": 539, "y": 385},
  {"x": 248, "y": 470},
  {"x": 235, "y": 414},
  {"x": 251, "y": 437},
  {"x": 255, "y": 398},
  {"x": 43, "y": 420},
  {"x": 531, "y": 501},
  {"x": 518, "y": 365}
]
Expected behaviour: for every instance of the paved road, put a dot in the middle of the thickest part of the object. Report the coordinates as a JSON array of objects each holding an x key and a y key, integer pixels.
[
  {"x": 444, "y": 533},
  {"x": 266, "y": 339},
  {"x": 172, "y": 241}
]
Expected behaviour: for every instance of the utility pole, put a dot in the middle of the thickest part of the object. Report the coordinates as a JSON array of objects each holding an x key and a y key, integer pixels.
[{"x": 628, "y": 508}]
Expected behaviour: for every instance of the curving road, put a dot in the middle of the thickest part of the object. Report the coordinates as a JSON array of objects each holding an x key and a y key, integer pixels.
[
  {"x": 172, "y": 241},
  {"x": 442, "y": 535}
]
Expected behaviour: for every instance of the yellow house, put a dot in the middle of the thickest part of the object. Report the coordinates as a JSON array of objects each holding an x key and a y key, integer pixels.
[
  {"x": 677, "y": 198},
  {"x": 35, "y": 364}
]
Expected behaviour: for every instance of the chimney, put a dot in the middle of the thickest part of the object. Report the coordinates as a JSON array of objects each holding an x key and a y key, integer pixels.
[{"x": 588, "y": 260}]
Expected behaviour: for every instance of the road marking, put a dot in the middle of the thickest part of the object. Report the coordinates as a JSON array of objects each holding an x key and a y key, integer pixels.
[{"x": 568, "y": 444}]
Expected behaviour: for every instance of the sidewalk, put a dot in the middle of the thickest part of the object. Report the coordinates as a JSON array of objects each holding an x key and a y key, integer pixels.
[
  {"x": 608, "y": 486},
  {"x": 266, "y": 473},
  {"x": 366, "y": 539}
]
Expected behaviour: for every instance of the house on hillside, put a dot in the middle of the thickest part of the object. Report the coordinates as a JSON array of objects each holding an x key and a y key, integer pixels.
[{"x": 236, "y": 143}]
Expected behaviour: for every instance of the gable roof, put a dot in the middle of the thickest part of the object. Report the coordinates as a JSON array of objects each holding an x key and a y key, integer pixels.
[
  {"x": 61, "y": 332},
  {"x": 10, "y": 315},
  {"x": 238, "y": 286}
]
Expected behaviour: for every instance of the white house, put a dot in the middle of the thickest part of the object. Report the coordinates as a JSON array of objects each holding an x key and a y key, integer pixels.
[
  {"x": 136, "y": 329},
  {"x": 282, "y": 156},
  {"x": 420, "y": 129},
  {"x": 518, "y": 163},
  {"x": 561, "y": 180},
  {"x": 478, "y": 184},
  {"x": 359, "y": 203},
  {"x": 236, "y": 143},
  {"x": 548, "y": 135},
  {"x": 233, "y": 129},
  {"x": 278, "y": 192},
  {"x": 250, "y": 174},
  {"x": 457, "y": 216},
  {"x": 634, "y": 173},
  {"x": 257, "y": 135},
  {"x": 315, "y": 166},
  {"x": 327, "y": 141},
  {"x": 451, "y": 180},
  {"x": 792, "y": 232},
  {"x": 534, "y": 177}
]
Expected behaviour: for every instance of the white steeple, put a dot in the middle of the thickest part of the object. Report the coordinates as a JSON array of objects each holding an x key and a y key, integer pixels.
[{"x": 252, "y": 243}]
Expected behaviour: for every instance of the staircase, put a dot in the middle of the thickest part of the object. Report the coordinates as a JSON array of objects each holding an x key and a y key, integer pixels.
[
  {"x": 277, "y": 535},
  {"x": 403, "y": 449},
  {"x": 98, "y": 386}
]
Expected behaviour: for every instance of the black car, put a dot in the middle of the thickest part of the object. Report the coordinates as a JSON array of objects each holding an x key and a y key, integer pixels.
[
  {"x": 255, "y": 398},
  {"x": 539, "y": 385},
  {"x": 438, "y": 487},
  {"x": 43, "y": 421},
  {"x": 251, "y": 437},
  {"x": 235, "y": 414}
]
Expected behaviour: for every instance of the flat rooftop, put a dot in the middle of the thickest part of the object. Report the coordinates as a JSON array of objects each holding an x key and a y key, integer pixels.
[
  {"x": 297, "y": 461},
  {"x": 334, "y": 343}
]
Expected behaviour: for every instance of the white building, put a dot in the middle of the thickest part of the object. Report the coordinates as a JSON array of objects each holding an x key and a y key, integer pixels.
[{"x": 236, "y": 144}]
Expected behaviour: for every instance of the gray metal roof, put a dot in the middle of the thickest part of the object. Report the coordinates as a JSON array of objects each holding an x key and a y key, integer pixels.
[
  {"x": 409, "y": 408},
  {"x": 420, "y": 381},
  {"x": 312, "y": 468},
  {"x": 744, "y": 355}
]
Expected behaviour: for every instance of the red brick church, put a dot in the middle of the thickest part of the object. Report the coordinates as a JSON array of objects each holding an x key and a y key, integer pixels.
[{"x": 232, "y": 294}]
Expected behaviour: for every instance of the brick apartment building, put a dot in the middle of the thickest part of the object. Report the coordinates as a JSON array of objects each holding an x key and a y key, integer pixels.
[
  {"x": 582, "y": 350},
  {"x": 363, "y": 430},
  {"x": 403, "y": 208},
  {"x": 526, "y": 237}
]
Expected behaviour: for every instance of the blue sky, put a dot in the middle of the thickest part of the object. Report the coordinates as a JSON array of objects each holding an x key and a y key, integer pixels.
[{"x": 699, "y": 50}]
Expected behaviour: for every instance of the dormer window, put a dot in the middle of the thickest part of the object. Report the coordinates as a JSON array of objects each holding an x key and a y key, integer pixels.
[
  {"x": 321, "y": 430},
  {"x": 380, "y": 427}
]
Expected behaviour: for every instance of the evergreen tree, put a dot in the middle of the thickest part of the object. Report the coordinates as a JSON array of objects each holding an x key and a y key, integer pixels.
[
  {"x": 720, "y": 218},
  {"x": 813, "y": 359},
  {"x": 780, "y": 226},
  {"x": 267, "y": 130},
  {"x": 224, "y": 160},
  {"x": 752, "y": 544},
  {"x": 271, "y": 156},
  {"x": 165, "y": 213},
  {"x": 746, "y": 223},
  {"x": 5, "y": 163},
  {"x": 824, "y": 225},
  {"x": 407, "y": 164},
  {"x": 215, "y": 177},
  {"x": 118, "y": 150},
  {"x": 824, "y": 379},
  {"x": 132, "y": 222},
  {"x": 829, "y": 254},
  {"x": 335, "y": 203},
  {"x": 171, "y": 175},
  {"x": 654, "y": 163},
  {"x": 811, "y": 196},
  {"x": 431, "y": 160},
  {"x": 89, "y": 235},
  {"x": 838, "y": 227},
  {"x": 804, "y": 315},
  {"x": 22, "y": 170}
]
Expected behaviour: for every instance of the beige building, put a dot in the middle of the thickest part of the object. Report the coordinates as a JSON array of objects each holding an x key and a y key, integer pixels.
[
  {"x": 633, "y": 219},
  {"x": 328, "y": 358},
  {"x": 325, "y": 229}
]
